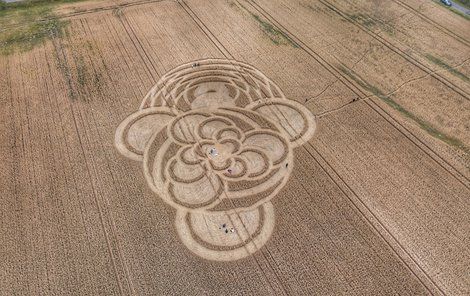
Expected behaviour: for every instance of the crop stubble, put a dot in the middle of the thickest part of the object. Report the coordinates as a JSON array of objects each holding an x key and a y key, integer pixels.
[
  {"x": 386, "y": 73},
  {"x": 77, "y": 209}
]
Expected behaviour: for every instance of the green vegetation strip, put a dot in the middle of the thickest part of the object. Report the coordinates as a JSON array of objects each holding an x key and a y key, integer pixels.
[
  {"x": 422, "y": 123},
  {"x": 371, "y": 23},
  {"x": 277, "y": 37},
  {"x": 25, "y": 24},
  {"x": 445, "y": 66},
  {"x": 464, "y": 3},
  {"x": 454, "y": 10}
]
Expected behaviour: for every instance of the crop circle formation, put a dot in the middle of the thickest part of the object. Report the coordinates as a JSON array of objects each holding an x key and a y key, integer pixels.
[{"x": 216, "y": 139}]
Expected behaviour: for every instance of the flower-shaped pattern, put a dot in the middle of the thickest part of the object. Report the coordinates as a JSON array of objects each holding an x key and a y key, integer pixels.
[
  {"x": 230, "y": 156},
  {"x": 216, "y": 140}
]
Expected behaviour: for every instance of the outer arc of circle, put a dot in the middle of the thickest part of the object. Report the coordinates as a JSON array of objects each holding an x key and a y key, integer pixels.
[
  {"x": 120, "y": 141},
  {"x": 161, "y": 83},
  {"x": 282, "y": 182},
  {"x": 236, "y": 254},
  {"x": 307, "y": 114},
  {"x": 210, "y": 62}
]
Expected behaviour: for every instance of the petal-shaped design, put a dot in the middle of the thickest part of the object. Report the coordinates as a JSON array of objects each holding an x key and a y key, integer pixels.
[
  {"x": 257, "y": 162},
  {"x": 183, "y": 129},
  {"x": 226, "y": 236},
  {"x": 231, "y": 145},
  {"x": 220, "y": 165},
  {"x": 231, "y": 132},
  {"x": 199, "y": 194},
  {"x": 296, "y": 120},
  {"x": 189, "y": 155},
  {"x": 185, "y": 186},
  {"x": 237, "y": 168},
  {"x": 134, "y": 133},
  {"x": 272, "y": 144},
  {"x": 209, "y": 127},
  {"x": 181, "y": 172}
]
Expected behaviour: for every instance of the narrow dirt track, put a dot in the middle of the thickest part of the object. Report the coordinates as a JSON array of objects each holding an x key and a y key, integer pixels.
[{"x": 371, "y": 204}]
